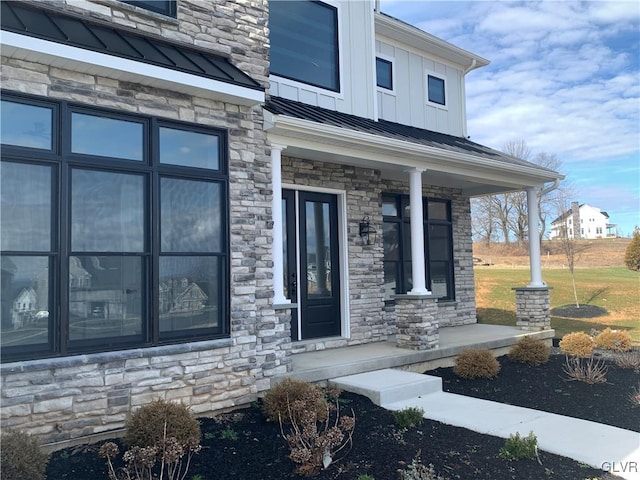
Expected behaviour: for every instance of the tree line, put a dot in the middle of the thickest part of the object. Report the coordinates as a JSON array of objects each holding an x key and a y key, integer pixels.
[{"x": 504, "y": 217}]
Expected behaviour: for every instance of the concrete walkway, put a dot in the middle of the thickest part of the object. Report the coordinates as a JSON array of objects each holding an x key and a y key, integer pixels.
[{"x": 600, "y": 446}]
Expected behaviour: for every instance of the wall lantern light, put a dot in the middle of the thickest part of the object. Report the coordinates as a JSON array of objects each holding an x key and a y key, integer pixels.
[{"x": 367, "y": 232}]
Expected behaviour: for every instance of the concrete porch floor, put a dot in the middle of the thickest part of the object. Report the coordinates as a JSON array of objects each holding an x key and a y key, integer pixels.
[{"x": 322, "y": 365}]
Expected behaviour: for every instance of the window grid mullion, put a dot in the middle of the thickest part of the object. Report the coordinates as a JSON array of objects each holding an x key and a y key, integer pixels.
[{"x": 62, "y": 162}]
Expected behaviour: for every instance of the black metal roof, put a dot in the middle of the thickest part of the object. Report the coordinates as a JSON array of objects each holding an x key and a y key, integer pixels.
[
  {"x": 79, "y": 32},
  {"x": 282, "y": 106}
]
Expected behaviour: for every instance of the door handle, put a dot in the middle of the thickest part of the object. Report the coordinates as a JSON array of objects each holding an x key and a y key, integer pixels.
[{"x": 293, "y": 286}]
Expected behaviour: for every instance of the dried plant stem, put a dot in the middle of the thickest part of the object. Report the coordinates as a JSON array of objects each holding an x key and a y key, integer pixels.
[{"x": 588, "y": 370}]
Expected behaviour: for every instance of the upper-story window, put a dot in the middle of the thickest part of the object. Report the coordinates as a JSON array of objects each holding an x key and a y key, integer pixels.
[
  {"x": 304, "y": 42},
  {"x": 164, "y": 7},
  {"x": 436, "y": 90},
  {"x": 384, "y": 73}
]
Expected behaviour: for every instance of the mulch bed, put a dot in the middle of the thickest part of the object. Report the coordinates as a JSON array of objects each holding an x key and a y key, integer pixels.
[
  {"x": 380, "y": 447},
  {"x": 582, "y": 311}
]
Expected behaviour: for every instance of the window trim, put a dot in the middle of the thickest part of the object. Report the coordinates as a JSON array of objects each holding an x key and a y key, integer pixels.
[
  {"x": 62, "y": 162},
  {"x": 339, "y": 45},
  {"x": 439, "y": 76},
  {"x": 170, "y": 7},
  {"x": 391, "y": 61}
]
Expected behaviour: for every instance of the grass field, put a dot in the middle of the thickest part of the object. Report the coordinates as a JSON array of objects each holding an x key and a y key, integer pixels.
[{"x": 616, "y": 289}]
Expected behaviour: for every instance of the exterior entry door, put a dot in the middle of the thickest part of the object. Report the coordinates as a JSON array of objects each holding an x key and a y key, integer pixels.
[{"x": 312, "y": 263}]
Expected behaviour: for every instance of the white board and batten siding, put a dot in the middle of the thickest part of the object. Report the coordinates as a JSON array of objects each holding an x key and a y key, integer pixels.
[
  {"x": 408, "y": 102},
  {"x": 357, "y": 67}
]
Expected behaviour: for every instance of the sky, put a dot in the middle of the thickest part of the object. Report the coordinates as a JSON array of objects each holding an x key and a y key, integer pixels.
[{"x": 564, "y": 77}]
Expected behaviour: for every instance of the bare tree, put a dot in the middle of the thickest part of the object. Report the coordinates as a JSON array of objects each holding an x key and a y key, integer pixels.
[
  {"x": 570, "y": 246},
  {"x": 570, "y": 251},
  {"x": 549, "y": 204},
  {"x": 502, "y": 208},
  {"x": 510, "y": 210},
  {"x": 484, "y": 220}
]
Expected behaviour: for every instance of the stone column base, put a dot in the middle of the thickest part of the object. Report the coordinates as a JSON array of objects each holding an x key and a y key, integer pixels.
[
  {"x": 533, "y": 308},
  {"x": 417, "y": 322}
]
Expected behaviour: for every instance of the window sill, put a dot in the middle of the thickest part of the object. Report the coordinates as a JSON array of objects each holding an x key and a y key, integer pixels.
[{"x": 105, "y": 357}]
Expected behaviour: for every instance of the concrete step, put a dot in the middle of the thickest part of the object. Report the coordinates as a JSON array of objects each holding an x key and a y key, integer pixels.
[{"x": 387, "y": 386}]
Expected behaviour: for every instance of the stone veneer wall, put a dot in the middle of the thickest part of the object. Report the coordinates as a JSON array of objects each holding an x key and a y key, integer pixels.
[
  {"x": 370, "y": 319},
  {"x": 366, "y": 276},
  {"x": 65, "y": 398},
  {"x": 461, "y": 311}
]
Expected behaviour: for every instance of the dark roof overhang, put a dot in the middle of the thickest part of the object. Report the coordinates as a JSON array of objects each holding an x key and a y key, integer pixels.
[
  {"x": 393, "y": 148},
  {"x": 23, "y": 25}
]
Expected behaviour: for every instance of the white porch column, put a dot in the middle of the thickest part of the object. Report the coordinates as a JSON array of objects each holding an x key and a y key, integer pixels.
[
  {"x": 534, "y": 238},
  {"x": 417, "y": 234},
  {"x": 279, "y": 296}
]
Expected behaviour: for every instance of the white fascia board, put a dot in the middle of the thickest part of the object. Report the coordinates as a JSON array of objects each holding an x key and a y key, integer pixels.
[
  {"x": 426, "y": 42},
  {"x": 401, "y": 153},
  {"x": 59, "y": 55}
]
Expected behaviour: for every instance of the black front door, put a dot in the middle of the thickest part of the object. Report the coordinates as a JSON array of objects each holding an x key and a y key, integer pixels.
[{"x": 312, "y": 263}]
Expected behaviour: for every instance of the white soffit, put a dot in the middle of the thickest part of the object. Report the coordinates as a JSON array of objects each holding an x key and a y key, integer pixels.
[{"x": 381, "y": 152}]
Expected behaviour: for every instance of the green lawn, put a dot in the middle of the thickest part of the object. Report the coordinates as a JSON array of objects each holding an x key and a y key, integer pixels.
[{"x": 615, "y": 289}]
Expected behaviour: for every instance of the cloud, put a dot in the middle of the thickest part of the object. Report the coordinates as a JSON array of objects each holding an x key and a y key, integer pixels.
[{"x": 564, "y": 77}]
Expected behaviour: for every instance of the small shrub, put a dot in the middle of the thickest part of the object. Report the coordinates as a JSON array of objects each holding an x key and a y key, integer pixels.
[
  {"x": 616, "y": 340},
  {"x": 162, "y": 438},
  {"x": 228, "y": 434},
  {"x": 21, "y": 457},
  {"x": 519, "y": 448},
  {"x": 476, "y": 363},
  {"x": 577, "y": 343},
  {"x": 416, "y": 470},
  {"x": 409, "y": 417},
  {"x": 314, "y": 443},
  {"x": 632, "y": 253},
  {"x": 530, "y": 351},
  {"x": 154, "y": 422},
  {"x": 630, "y": 359},
  {"x": 279, "y": 400},
  {"x": 364, "y": 476},
  {"x": 589, "y": 370}
]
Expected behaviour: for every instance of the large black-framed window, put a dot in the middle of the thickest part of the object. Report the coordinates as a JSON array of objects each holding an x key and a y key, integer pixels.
[
  {"x": 438, "y": 233},
  {"x": 304, "y": 42},
  {"x": 114, "y": 230},
  {"x": 164, "y": 7}
]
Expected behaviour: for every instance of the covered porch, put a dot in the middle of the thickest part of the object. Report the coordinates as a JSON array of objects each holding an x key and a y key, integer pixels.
[
  {"x": 322, "y": 365},
  {"x": 415, "y": 280}
]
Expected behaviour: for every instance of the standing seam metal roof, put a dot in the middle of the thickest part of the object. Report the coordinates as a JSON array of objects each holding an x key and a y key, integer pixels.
[
  {"x": 282, "y": 106},
  {"x": 101, "y": 38}
]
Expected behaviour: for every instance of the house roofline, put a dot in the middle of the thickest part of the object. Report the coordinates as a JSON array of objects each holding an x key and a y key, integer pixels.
[
  {"x": 381, "y": 150},
  {"x": 396, "y": 29}
]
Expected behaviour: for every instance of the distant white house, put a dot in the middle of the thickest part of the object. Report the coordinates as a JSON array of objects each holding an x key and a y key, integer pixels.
[
  {"x": 24, "y": 307},
  {"x": 583, "y": 221}
]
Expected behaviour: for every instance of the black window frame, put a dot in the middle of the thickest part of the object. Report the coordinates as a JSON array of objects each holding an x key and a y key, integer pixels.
[
  {"x": 62, "y": 162},
  {"x": 335, "y": 43},
  {"x": 389, "y": 64},
  {"x": 168, "y": 8},
  {"x": 403, "y": 275},
  {"x": 444, "y": 90}
]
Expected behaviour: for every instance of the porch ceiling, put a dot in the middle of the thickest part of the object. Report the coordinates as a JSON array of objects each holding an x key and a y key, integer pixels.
[{"x": 319, "y": 134}]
